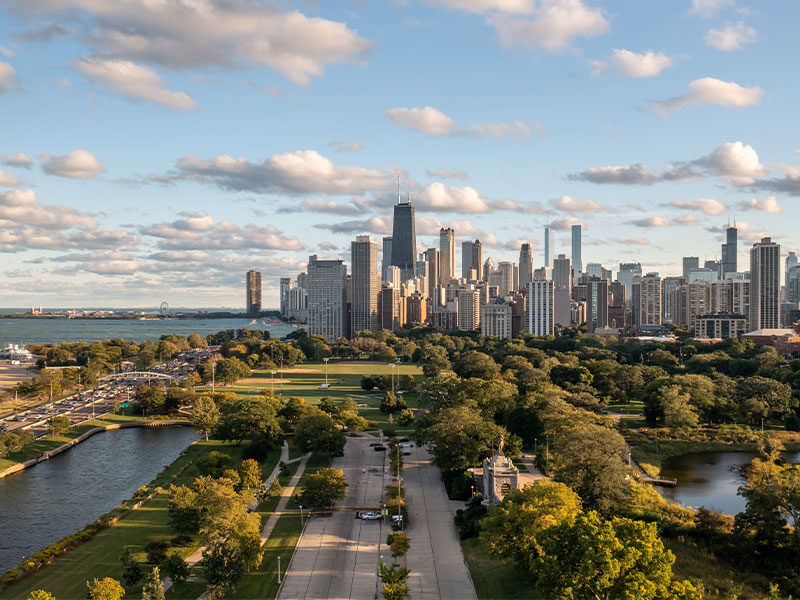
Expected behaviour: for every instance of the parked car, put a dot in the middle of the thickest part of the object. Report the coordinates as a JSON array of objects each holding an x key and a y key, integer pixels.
[
  {"x": 368, "y": 516},
  {"x": 379, "y": 448}
]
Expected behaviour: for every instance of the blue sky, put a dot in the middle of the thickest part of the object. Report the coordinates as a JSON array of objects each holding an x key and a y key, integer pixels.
[{"x": 154, "y": 154}]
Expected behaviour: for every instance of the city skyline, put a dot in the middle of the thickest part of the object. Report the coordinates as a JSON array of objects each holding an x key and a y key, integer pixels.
[{"x": 130, "y": 177}]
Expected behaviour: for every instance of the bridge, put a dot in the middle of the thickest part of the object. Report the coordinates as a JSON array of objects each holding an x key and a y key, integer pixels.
[{"x": 140, "y": 375}]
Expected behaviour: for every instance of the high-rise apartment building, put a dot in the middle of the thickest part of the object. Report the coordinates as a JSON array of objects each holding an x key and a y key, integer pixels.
[
  {"x": 539, "y": 313},
  {"x": 283, "y": 292},
  {"x": 616, "y": 305},
  {"x": 386, "y": 257},
  {"x": 562, "y": 273},
  {"x": 472, "y": 260},
  {"x": 549, "y": 246},
  {"x": 628, "y": 274},
  {"x": 650, "y": 300},
  {"x": 730, "y": 296},
  {"x": 577, "y": 263},
  {"x": 327, "y": 298},
  {"x": 432, "y": 258},
  {"x": 596, "y": 304},
  {"x": 668, "y": 287},
  {"x": 792, "y": 278},
  {"x": 366, "y": 283},
  {"x": 392, "y": 308},
  {"x": 525, "y": 266},
  {"x": 496, "y": 319},
  {"x": 689, "y": 264},
  {"x": 765, "y": 269},
  {"x": 506, "y": 282},
  {"x": 730, "y": 250},
  {"x": 469, "y": 309},
  {"x": 447, "y": 255},
  {"x": 404, "y": 238},
  {"x": 253, "y": 292}
]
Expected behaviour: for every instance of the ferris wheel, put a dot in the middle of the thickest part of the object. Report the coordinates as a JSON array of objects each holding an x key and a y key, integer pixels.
[{"x": 164, "y": 308}]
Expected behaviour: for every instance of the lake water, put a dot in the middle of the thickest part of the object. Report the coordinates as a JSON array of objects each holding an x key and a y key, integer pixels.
[
  {"x": 42, "y": 331},
  {"x": 62, "y": 495},
  {"x": 710, "y": 479}
]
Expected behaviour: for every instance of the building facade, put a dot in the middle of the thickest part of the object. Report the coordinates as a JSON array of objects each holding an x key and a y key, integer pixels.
[
  {"x": 253, "y": 293},
  {"x": 765, "y": 269},
  {"x": 366, "y": 284},
  {"x": 404, "y": 239},
  {"x": 577, "y": 262},
  {"x": 540, "y": 307},
  {"x": 327, "y": 298},
  {"x": 447, "y": 255}
]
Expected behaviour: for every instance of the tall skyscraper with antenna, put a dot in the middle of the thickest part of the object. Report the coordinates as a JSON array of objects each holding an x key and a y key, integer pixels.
[
  {"x": 549, "y": 246},
  {"x": 404, "y": 238},
  {"x": 730, "y": 250}
]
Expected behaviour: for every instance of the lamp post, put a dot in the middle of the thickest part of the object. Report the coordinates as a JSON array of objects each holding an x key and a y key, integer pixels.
[
  {"x": 392, "y": 372},
  {"x": 325, "y": 360},
  {"x": 272, "y": 380},
  {"x": 213, "y": 371}
]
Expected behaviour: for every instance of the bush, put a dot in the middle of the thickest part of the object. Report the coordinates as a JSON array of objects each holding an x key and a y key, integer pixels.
[
  {"x": 257, "y": 449},
  {"x": 156, "y": 551},
  {"x": 367, "y": 383},
  {"x": 181, "y": 539},
  {"x": 214, "y": 463}
]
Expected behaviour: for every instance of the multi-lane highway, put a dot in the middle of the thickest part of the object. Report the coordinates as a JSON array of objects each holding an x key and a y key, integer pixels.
[{"x": 100, "y": 400}]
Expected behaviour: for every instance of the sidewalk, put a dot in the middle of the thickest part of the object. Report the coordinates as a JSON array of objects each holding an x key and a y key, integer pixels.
[{"x": 286, "y": 494}]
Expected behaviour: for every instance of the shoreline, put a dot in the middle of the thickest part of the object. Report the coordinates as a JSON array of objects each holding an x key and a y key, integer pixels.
[{"x": 47, "y": 455}]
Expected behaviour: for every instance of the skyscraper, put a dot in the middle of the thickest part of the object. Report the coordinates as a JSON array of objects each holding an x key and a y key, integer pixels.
[
  {"x": 792, "y": 278},
  {"x": 540, "y": 316},
  {"x": 471, "y": 260},
  {"x": 253, "y": 292},
  {"x": 549, "y": 246},
  {"x": 628, "y": 274},
  {"x": 525, "y": 266},
  {"x": 730, "y": 249},
  {"x": 283, "y": 291},
  {"x": 447, "y": 255},
  {"x": 469, "y": 309},
  {"x": 562, "y": 274},
  {"x": 432, "y": 258},
  {"x": 404, "y": 238},
  {"x": 765, "y": 269},
  {"x": 650, "y": 300},
  {"x": 577, "y": 264},
  {"x": 596, "y": 304},
  {"x": 366, "y": 284},
  {"x": 327, "y": 298},
  {"x": 386, "y": 257},
  {"x": 689, "y": 263}
]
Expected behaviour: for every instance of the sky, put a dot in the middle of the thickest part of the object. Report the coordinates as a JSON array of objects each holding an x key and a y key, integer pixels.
[{"x": 156, "y": 150}]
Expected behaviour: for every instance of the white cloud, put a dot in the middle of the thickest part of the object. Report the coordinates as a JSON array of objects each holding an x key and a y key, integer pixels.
[
  {"x": 304, "y": 171},
  {"x": 21, "y": 208},
  {"x": 7, "y": 76},
  {"x": 654, "y": 221},
  {"x": 135, "y": 81},
  {"x": 711, "y": 91},
  {"x": 768, "y": 205},
  {"x": 427, "y": 119},
  {"x": 447, "y": 173},
  {"x": 708, "y": 206},
  {"x": 569, "y": 204},
  {"x": 8, "y": 180},
  {"x": 336, "y": 208},
  {"x": 731, "y": 37},
  {"x": 630, "y": 64},
  {"x": 635, "y": 174},
  {"x": 78, "y": 164},
  {"x": 17, "y": 160},
  {"x": 438, "y": 198},
  {"x": 517, "y": 129},
  {"x": 708, "y": 8},
  {"x": 354, "y": 146},
  {"x": 686, "y": 220},
  {"x": 733, "y": 159},
  {"x": 565, "y": 224},
  {"x": 551, "y": 25},
  {"x": 522, "y": 7},
  {"x": 208, "y": 33}
]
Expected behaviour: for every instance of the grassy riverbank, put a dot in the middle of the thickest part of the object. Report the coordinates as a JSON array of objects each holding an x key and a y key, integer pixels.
[{"x": 66, "y": 576}]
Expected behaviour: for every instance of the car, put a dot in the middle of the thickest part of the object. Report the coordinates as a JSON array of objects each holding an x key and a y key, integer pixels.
[
  {"x": 379, "y": 448},
  {"x": 373, "y": 444},
  {"x": 368, "y": 516}
]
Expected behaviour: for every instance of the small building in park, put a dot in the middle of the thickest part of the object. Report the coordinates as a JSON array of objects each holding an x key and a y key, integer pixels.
[{"x": 497, "y": 476}]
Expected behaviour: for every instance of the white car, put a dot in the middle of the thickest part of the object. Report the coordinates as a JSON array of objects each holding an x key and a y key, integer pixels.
[{"x": 369, "y": 516}]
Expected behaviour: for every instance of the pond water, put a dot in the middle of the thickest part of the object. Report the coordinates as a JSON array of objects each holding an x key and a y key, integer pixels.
[
  {"x": 60, "y": 496},
  {"x": 710, "y": 479}
]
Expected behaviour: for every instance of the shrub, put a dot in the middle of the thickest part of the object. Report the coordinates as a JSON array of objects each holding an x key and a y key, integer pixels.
[
  {"x": 156, "y": 551},
  {"x": 181, "y": 539},
  {"x": 214, "y": 463}
]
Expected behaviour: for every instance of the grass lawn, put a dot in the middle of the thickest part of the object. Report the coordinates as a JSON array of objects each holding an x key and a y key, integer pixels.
[
  {"x": 263, "y": 583},
  {"x": 635, "y": 407},
  {"x": 99, "y": 557},
  {"x": 38, "y": 447},
  {"x": 494, "y": 578},
  {"x": 344, "y": 379}
]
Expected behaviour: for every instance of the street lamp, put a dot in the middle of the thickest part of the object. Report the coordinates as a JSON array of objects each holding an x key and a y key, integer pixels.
[
  {"x": 392, "y": 371},
  {"x": 272, "y": 380},
  {"x": 325, "y": 360}
]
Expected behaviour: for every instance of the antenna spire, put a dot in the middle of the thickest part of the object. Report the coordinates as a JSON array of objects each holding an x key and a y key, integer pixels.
[
  {"x": 408, "y": 197},
  {"x": 398, "y": 187}
]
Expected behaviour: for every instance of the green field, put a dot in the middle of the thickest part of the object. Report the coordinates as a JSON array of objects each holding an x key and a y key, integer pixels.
[
  {"x": 344, "y": 379},
  {"x": 495, "y": 578},
  {"x": 263, "y": 583},
  {"x": 99, "y": 557}
]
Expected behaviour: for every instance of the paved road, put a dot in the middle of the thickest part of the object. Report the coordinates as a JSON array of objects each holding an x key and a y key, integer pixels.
[{"x": 337, "y": 557}]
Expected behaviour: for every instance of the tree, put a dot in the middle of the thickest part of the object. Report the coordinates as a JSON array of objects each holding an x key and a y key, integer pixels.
[
  {"x": 460, "y": 438},
  {"x": 776, "y": 395},
  {"x": 40, "y": 595},
  {"x": 183, "y": 514},
  {"x": 475, "y": 364},
  {"x": 223, "y": 565},
  {"x": 319, "y": 433},
  {"x": 175, "y": 567},
  {"x": 105, "y": 589},
  {"x": 562, "y": 375},
  {"x": 588, "y": 458},
  {"x": 205, "y": 415},
  {"x": 131, "y": 569},
  {"x": 323, "y": 488},
  {"x": 150, "y": 398},
  {"x": 58, "y": 425},
  {"x": 153, "y": 587},
  {"x": 231, "y": 370},
  {"x": 678, "y": 412},
  {"x": 392, "y": 403},
  {"x": 592, "y": 558},
  {"x": 393, "y": 578},
  {"x": 250, "y": 473},
  {"x": 251, "y": 418},
  {"x": 514, "y": 527},
  {"x": 196, "y": 341},
  {"x": 398, "y": 543}
]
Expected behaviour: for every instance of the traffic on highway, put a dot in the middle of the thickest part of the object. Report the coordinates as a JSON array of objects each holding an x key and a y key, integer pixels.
[{"x": 116, "y": 388}]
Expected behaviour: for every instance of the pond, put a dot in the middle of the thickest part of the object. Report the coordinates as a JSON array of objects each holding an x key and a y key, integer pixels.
[
  {"x": 710, "y": 479},
  {"x": 60, "y": 496}
]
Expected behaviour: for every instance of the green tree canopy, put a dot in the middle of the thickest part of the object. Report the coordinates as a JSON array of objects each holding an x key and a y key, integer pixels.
[{"x": 323, "y": 488}]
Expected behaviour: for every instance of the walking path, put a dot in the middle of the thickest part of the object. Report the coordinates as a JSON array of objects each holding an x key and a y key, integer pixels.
[{"x": 286, "y": 494}]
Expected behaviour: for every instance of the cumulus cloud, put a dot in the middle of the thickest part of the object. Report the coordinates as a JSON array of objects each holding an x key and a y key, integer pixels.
[
  {"x": 7, "y": 76},
  {"x": 768, "y": 205},
  {"x": 19, "y": 159},
  {"x": 331, "y": 207},
  {"x": 662, "y": 221},
  {"x": 42, "y": 33},
  {"x": 212, "y": 33},
  {"x": 731, "y": 37},
  {"x": 565, "y": 224},
  {"x": 708, "y": 206},
  {"x": 733, "y": 159},
  {"x": 436, "y": 197},
  {"x": 635, "y": 174},
  {"x": 21, "y": 208},
  {"x": 435, "y": 123},
  {"x": 708, "y": 8},
  {"x": 709, "y": 90},
  {"x": 631, "y": 64},
  {"x": 569, "y": 204},
  {"x": 301, "y": 172},
  {"x": 78, "y": 164},
  {"x": 134, "y": 81},
  {"x": 447, "y": 173},
  {"x": 8, "y": 180},
  {"x": 374, "y": 225},
  {"x": 199, "y": 231}
]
